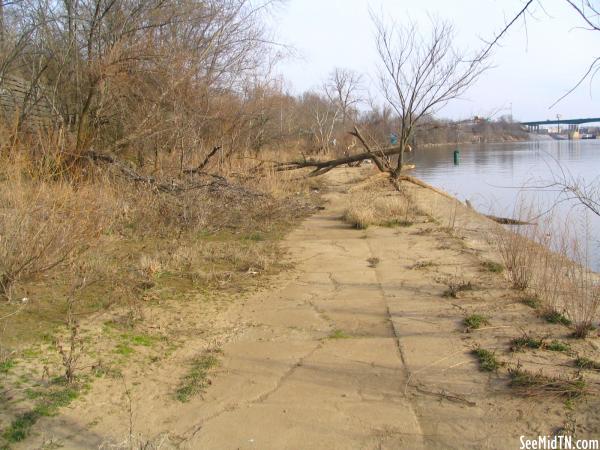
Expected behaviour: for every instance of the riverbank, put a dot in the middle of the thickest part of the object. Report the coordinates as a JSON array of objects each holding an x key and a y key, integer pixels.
[{"x": 393, "y": 336}]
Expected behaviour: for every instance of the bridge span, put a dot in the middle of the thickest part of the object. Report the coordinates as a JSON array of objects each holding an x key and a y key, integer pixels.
[{"x": 573, "y": 124}]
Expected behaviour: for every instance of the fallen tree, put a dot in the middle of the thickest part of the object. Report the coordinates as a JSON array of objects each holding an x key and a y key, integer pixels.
[
  {"x": 380, "y": 157},
  {"x": 322, "y": 167},
  {"x": 192, "y": 179}
]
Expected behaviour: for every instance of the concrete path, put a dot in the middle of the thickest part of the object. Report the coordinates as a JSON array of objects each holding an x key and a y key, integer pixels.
[{"x": 356, "y": 351}]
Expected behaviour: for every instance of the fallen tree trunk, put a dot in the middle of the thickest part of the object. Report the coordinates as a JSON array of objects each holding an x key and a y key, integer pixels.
[{"x": 321, "y": 167}]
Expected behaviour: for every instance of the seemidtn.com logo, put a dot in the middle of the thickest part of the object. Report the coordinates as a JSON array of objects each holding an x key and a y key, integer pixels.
[{"x": 558, "y": 443}]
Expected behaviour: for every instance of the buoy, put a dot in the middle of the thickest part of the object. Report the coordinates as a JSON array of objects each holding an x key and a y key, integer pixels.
[{"x": 456, "y": 157}]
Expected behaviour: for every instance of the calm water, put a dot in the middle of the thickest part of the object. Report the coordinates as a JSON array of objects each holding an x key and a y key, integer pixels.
[{"x": 493, "y": 178}]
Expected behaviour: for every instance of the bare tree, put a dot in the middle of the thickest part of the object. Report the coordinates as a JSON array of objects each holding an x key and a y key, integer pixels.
[
  {"x": 343, "y": 89},
  {"x": 421, "y": 74}
]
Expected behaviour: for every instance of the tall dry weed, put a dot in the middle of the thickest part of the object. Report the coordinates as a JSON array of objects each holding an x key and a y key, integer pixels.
[
  {"x": 379, "y": 208},
  {"x": 519, "y": 254},
  {"x": 43, "y": 224},
  {"x": 552, "y": 261}
]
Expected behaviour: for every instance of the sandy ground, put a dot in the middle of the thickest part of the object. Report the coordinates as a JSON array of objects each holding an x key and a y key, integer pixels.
[{"x": 343, "y": 352}]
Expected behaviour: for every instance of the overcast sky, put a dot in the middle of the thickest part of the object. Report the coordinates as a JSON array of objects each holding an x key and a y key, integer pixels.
[{"x": 533, "y": 67}]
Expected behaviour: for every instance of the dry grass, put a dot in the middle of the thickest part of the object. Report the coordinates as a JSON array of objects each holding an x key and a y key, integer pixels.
[
  {"x": 532, "y": 384},
  {"x": 381, "y": 208},
  {"x": 45, "y": 225},
  {"x": 138, "y": 239},
  {"x": 551, "y": 262},
  {"x": 518, "y": 256}
]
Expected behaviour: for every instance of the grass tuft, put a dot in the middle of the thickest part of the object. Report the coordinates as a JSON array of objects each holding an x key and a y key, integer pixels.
[
  {"x": 196, "y": 381},
  {"x": 420, "y": 265},
  {"x": 586, "y": 363},
  {"x": 339, "y": 334},
  {"x": 530, "y": 384},
  {"x": 556, "y": 317},
  {"x": 475, "y": 321},
  {"x": 6, "y": 365},
  {"x": 48, "y": 404},
  {"x": 492, "y": 266},
  {"x": 533, "y": 302},
  {"x": 525, "y": 341},
  {"x": 455, "y": 288},
  {"x": 396, "y": 223},
  {"x": 557, "y": 346},
  {"x": 487, "y": 360}
]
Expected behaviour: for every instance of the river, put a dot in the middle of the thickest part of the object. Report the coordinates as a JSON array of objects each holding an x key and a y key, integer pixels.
[{"x": 500, "y": 178}]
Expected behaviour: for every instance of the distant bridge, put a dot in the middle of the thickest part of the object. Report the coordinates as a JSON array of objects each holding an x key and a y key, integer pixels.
[{"x": 573, "y": 123}]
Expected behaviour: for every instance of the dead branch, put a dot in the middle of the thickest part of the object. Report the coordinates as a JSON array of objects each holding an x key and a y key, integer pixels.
[
  {"x": 218, "y": 183},
  {"x": 501, "y": 220},
  {"x": 204, "y": 163}
]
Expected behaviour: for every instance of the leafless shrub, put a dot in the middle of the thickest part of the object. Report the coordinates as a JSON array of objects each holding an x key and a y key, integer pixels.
[
  {"x": 551, "y": 260},
  {"x": 71, "y": 348},
  {"x": 582, "y": 296},
  {"x": 518, "y": 255},
  {"x": 42, "y": 226}
]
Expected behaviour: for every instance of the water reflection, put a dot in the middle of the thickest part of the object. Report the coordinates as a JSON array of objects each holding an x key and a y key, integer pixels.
[{"x": 493, "y": 177}]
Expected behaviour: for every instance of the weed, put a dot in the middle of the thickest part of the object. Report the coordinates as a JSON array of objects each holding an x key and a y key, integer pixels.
[
  {"x": 557, "y": 346},
  {"x": 338, "y": 334},
  {"x": 359, "y": 218},
  {"x": 525, "y": 341},
  {"x": 492, "y": 266},
  {"x": 582, "y": 329},
  {"x": 532, "y": 301},
  {"x": 21, "y": 426},
  {"x": 48, "y": 405},
  {"x": 196, "y": 380},
  {"x": 455, "y": 288},
  {"x": 475, "y": 321},
  {"x": 256, "y": 237},
  {"x": 530, "y": 384},
  {"x": 6, "y": 365},
  {"x": 419, "y": 265},
  {"x": 396, "y": 223},
  {"x": 586, "y": 363},
  {"x": 124, "y": 349},
  {"x": 487, "y": 360},
  {"x": 553, "y": 316},
  {"x": 373, "y": 262},
  {"x": 138, "y": 339}
]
